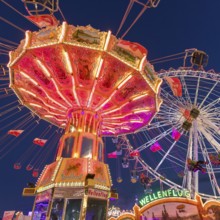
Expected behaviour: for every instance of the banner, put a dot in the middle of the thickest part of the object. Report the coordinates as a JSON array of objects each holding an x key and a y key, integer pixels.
[
  {"x": 40, "y": 142},
  {"x": 175, "y": 85},
  {"x": 43, "y": 20},
  {"x": 8, "y": 215}
]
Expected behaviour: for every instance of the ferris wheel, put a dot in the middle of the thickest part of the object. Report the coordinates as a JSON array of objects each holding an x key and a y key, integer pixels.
[
  {"x": 186, "y": 129},
  {"x": 180, "y": 148}
]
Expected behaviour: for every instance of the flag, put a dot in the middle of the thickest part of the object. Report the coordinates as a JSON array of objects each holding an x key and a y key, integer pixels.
[
  {"x": 155, "y": 147},
  {"x": 40, "y": 142},
  {"x": 35, "y": 173},
  {"x": 135, "y": 48},
  {"x": 17, "y": 166},
  {"x": 29, "y": 167},
  {"x": 15, "y": 133},
  {"x": 176, "y": 134},
  {"x": 175, "y": 85},
  {"x": 112, "y": 155},
  {"x": 43, "y": 20}
]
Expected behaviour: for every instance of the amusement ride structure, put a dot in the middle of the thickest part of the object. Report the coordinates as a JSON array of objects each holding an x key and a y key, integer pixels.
[{"x": 91, "y": 85}]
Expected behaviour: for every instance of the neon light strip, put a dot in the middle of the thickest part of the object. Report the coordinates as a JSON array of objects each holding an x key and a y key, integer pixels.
[
  {"x": 28, "y": 92},
  {"x": 33, "y": 94},
  {"x": 107, "y": 40},
  {"x": 136, "y": 121},
  {"x": 113, "y": 123},
  {"x": 67, "y": 62},
  {"x": 142, "y": 63},
  {"x": 116, "y": 109},
  {"x": 110, "y": 128},
  {"x": 91, "y": 94},
  {"x": 106, "y": 100},
  {"x": 28, "y": 77},
  {"x": 99, "y": 68},
  {"x": 119, "y": 86},
  {"x": 43, "y": 68},
  {"x": 124, "y": 81},
  {"x": 60, "y": 94},
  {"x": 125, "y": 128},
  {"x": 63, "y": 31},
  {"x": 49, "y": 106},
  {"x": 35, "y": 105},
  {"x": 140, "y": 96},
  {"x": 142, "y": 110},
  {"x": 95, "y": 83},
  {"x": 62, "y": 106},
  {"x": 74, "y": 91}
]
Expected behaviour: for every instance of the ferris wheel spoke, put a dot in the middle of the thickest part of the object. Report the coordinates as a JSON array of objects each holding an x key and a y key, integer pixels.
[
  {"x": 209, "y": 167},
  {"x": 211, "y": 139},
  {"x": 209, "y": 123},
  {"x": 170, "y": 98},
  {"x": 153, "y": 140},
  {"x": 211, "y": 104},
  {"x": 165, "y": 156},
  {"x": 183, "y": 82},
  {"x": 200, "y": 106},
  {"x": 197, "y": 89},
  {"x": 173, "y": 158},
  {"x": 157, "y": 124}
]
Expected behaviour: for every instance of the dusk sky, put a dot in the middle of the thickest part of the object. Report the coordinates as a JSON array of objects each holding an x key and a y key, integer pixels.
[{"x": 172, "y": 27}]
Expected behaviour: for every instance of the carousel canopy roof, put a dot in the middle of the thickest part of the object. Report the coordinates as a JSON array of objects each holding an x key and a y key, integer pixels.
[{"x": 59, "y": 69}]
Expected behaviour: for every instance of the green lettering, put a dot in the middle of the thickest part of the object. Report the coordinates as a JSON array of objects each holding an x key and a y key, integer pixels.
[
  {"x": 151, "y": 199},
  {"x": 155, "y": 197},
  {"x": 174, "y": 192},
  {"x": 187, "y": 194},
  {"x": 180, "y": 193},
  {"x": 169, "y": 192},
  {"x": 159, "y": 194},
  {"x": 146, "y": 199},
  {"x": 164, "y": 194},
  {"x": 142, "y": 202}
]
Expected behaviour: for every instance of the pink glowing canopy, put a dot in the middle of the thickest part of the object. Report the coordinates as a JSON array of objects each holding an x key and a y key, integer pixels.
[{"x": 68, "y": 68}]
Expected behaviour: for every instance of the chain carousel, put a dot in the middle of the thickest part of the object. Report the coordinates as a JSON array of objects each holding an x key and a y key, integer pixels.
[{"x": 91, "y": 84}]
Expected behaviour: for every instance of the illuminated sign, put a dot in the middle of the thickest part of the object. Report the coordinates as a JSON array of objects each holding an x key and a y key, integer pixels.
[
  {"x": 164, "y": 194},
  {"x": 114, "y": 212},
  {"x": 97, "y": 194},
  {"x": 29, "y": 192}
]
